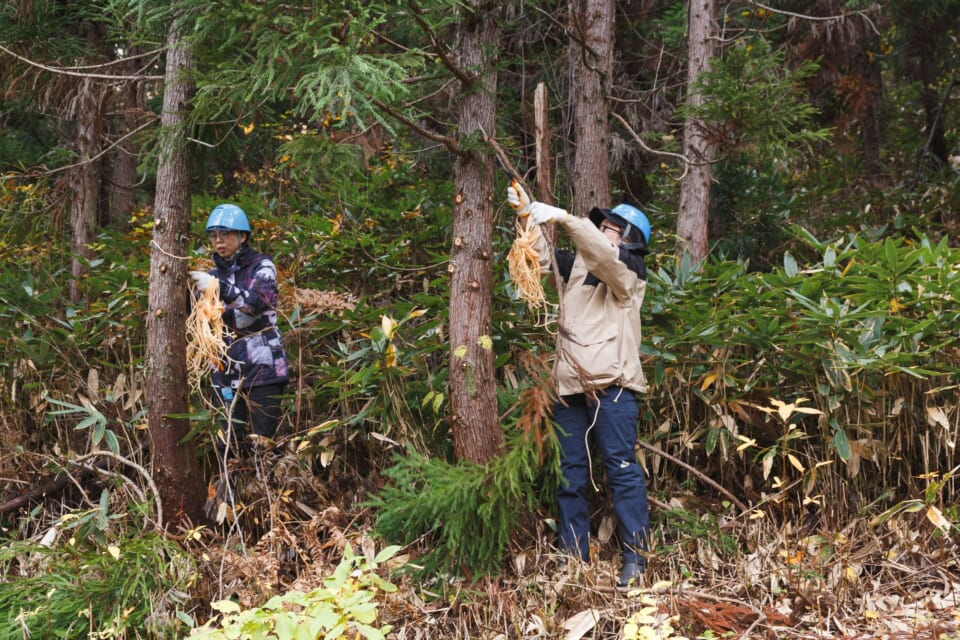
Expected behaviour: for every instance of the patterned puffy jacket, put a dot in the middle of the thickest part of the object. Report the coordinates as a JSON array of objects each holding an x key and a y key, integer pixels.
[{"x": 255, "y": 353}]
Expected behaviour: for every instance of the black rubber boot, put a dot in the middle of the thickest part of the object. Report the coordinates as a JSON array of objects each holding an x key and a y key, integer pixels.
[{"x": 631, "y": 576}]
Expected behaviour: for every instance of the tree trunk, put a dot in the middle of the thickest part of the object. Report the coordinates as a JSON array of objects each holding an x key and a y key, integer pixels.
[
  {"x": 928, "y": 72},
  {"x": 130, "y": 104},
  {"x": 591, "y": 62},
  {"x": 871, "y": 123},
  {"x": 85, "y": 180},
  {"x": 473, "y": 394},
  {"x": 694, "y": 211},
  {"x": 176, "y": 469}
]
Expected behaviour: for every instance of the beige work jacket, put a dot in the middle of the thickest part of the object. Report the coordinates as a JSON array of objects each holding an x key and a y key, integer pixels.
[{"x": 598, "y": 339}]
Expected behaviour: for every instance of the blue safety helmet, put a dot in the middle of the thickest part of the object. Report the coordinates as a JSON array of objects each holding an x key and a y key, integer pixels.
[
  {"x": 634, "y": 222},
  {"x": 228, "y": 217}
]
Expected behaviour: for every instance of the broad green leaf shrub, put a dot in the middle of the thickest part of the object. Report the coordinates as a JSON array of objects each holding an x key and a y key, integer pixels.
[
  {"x": 344, "y": 607},
  {"x": 53, "y": 349},
  {"x": 867, "y": 333},
  {"x": 390, "y": 379},
  {"x": 74, "y": 587}
]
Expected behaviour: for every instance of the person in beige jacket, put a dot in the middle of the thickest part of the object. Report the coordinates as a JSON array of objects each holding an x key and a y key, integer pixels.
[{"x": 597, "y": 368}]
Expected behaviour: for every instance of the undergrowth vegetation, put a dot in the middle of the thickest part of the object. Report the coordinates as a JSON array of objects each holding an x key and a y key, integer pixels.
[
  {"x": 799, "y": 435},
  {"x": 817, "y": 395}
]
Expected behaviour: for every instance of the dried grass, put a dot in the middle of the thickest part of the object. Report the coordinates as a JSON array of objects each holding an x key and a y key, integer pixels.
[
  {"x": 314, "y": 301},
  {"x": 862, "y": 582}
]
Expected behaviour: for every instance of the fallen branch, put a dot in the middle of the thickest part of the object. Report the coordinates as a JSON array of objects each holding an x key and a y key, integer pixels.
[
  {"x": 133, "y": 465},
  {"x": 708, "y": 481},
  {"x": 54, "y": 485}
]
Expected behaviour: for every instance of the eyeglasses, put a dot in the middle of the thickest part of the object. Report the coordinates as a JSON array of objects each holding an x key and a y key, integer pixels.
[
  {"x": 604, "y": 227},
  {"x": 219, "y": 235}
]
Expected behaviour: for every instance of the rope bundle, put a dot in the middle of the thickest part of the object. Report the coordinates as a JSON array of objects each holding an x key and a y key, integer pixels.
[
  {"x": 524, "y": 265},
  {"x": 205, "y": 345}
]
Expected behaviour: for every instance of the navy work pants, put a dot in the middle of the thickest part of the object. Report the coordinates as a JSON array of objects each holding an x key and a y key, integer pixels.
[
  {"x": 258, "y": 406},
  {"x": 612, "y": 426}
]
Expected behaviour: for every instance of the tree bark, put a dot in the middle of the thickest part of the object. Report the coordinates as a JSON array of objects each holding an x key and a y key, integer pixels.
[
  {"x": 85, "y": 180},
  {"x": 473, "y": 395},
  {"x": 591, "y": 62},
  {"x": 130, "y": 104},
  {"x": 928, "y": 72},
  {"x": 693, "y": 216},
  {"x": 175, "y": 467}
]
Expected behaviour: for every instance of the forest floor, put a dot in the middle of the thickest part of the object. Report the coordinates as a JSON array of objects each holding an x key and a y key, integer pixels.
[{"x": 898, "y": 579}]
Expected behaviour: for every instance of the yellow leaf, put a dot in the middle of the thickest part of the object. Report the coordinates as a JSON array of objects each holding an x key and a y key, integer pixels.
[
  {"x": 796, "y": 463},
  {"x": 767, "y": 465},
  {"x": 247, "y": 128},
  {"x": 390, "y": 357},
  {"x": 114, "y": 551},
  {"x": 326, "y": 458},
  {"x": 659, "y": 586},
  {"x": 785, "y": 411},
  {"x": 629, "y": 631},
  {"x": 871, "y": 615},
  {"x": 850, "y": 574},
  {"x": 708, "y": 380},
  {"x": 225, "y": 606},
  {"x": 936, "y": 517},
  {"x": 388, "y": 325}
]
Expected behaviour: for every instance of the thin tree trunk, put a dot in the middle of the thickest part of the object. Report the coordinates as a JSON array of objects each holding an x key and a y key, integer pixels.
[
  {"x": 591, "y": 62},
  {"x": 473, "y": 395},
  {"x": 130, "y": 103},
  {"x": 694, "y": 211},
  {"x": 871, "y": 124},
  {"x": 85, "y": 181},
  {"x": 928, "y": 72},
  {"x": 176, "y": 469}
]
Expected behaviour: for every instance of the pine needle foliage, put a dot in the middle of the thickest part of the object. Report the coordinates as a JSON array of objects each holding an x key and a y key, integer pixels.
[
  {"x": 754, "y": 105},
  {"x": 470, "y": 512}
]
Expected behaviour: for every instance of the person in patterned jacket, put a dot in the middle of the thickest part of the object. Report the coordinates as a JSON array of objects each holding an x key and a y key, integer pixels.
[{"x": 249, "y": 384}]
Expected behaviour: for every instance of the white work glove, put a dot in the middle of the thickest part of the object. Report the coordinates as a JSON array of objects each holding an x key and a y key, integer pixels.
[
  {"x": 518, "y": 199},
  {"x": 540, "y": 213},
  {"x": 202, "y": 280}
]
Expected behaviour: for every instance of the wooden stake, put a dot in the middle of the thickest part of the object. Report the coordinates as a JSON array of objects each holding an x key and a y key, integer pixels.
[{"x": 542, "y": 138}]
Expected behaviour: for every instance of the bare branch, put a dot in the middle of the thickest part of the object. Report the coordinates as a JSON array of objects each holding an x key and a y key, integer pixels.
[
  {"x": 446, "y": 141},
  {"x": 842, "y": 16},
  {"x": 439, "y": 47},
  {"x": 706, "y": 480},
  {"x": 75, "y": 74},
  {"x": 143, "y": 472},
  {"x": 686, "y": 162},
  {"x": 96, "y": 157}
]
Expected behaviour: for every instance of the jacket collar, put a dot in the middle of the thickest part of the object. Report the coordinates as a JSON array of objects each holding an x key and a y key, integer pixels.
[{"x": 244, "y": 256}]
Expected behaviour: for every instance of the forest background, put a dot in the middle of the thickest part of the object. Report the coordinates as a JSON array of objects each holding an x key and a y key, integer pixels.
[{"x": 798, "y": 162}]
